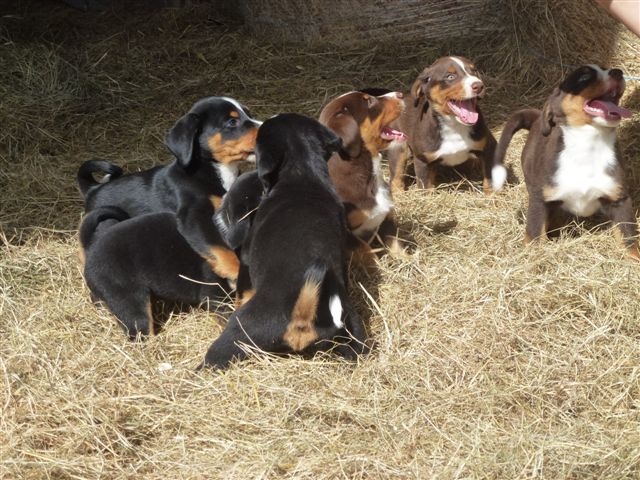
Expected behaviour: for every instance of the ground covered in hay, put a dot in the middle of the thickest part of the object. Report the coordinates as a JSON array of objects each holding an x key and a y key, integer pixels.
[{"x": 492, "y": 360}]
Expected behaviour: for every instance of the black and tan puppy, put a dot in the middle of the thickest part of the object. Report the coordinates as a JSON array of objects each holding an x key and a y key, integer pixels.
[
  {"x": 444, "y": 125},
  {"x": 296, "y": 252},
  {"x": 130, "y": 263},
  {"x": 362, "y": 120},
  {"x": 208, "y": 143},
  {"x": 570, "y": 160}
]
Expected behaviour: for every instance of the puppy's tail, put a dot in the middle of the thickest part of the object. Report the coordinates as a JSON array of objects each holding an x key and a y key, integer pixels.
[
  {"x": 320, "y": 290},
  {"x": 87, "y": 182},
  {"x": 519, "y": 120},
  {"x": 97, "y": 219}
]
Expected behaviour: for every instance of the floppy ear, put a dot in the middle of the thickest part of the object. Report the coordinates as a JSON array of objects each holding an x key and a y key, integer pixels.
[
  {"x": 182, "y": 137},
  {"x": 348, "y": 131},
  {"x": 548, "y": 117},
  {"x": 419, "y": 87},
  {"x": 269, "y": 163}
]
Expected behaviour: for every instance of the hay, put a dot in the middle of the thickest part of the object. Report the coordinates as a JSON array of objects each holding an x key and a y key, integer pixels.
[{"x": 492, "y": 360}]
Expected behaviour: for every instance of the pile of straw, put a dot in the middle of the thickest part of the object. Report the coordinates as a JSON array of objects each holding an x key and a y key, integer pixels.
[{"x": 492, "y": 360}]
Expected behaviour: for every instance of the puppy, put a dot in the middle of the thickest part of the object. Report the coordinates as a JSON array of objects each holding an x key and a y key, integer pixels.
[
  {"x": 296, "y": 252},
  {"x": 362, "y": 120},
  {"x": 570, "y": 160},
  {"x": 444, "y": 125},
  {"x": 129, "y": 263},
  {"x": 208, "y": 143}
]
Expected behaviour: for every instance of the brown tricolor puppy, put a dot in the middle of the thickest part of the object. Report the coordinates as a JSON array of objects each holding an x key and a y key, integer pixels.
[
  {"x": 362, "y": 121},
  {"x": 570, "y": 161},
  {"x": 208, "y": 143},
  {"x": 295, "y": 252},
  {"x": 444, "y": 125},
  {"x": 131, "y": 263}
]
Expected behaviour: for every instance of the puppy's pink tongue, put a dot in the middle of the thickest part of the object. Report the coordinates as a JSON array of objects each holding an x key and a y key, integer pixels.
[
  {"x": 389, "y": 133},
  {"x": 465, "y": 110},
  {"x": 606, "y": 110}
]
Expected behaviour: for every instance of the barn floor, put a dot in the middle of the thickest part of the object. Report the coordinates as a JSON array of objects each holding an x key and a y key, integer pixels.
[{"x": 492, "y": 360}]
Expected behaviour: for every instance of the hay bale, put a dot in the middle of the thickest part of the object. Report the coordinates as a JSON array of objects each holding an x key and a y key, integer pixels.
[{"x": 357, "y": 22}]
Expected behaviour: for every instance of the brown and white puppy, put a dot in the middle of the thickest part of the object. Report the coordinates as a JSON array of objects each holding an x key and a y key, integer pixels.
[
  {"x": 444, "y": 125},
  {"x": 362, "y": 121},
  {"x": 570, "y": 160}
]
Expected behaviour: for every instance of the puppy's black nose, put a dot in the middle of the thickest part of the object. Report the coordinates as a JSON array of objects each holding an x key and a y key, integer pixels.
[{"x": 616, "y": 73}]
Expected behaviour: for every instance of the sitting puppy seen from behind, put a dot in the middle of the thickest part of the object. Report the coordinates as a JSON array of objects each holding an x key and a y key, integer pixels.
[
  {"x": 444, "y": 126},
  {"x": 208, "y": 143},
  {"x": 362, "y": 120},
  {"x": 130, "y": 263},
  {"x": 570, "y": 161},
  {"x": 295, "y": 251}
]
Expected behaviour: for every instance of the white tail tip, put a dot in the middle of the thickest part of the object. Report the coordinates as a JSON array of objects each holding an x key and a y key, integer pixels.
[
  {"x": 335, "y": 307},
  {"x": 498, "y": 177}
]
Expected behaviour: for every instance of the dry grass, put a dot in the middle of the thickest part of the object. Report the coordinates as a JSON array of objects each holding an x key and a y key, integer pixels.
[{"x": 492, "y": 360}]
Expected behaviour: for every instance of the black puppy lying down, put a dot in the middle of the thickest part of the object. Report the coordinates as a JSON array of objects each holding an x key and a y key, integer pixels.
[
  {"x": 129, "y": 263},
  {"x": 296, "y": 252}
]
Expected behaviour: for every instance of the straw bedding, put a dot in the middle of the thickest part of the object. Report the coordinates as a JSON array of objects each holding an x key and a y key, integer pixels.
[{"x": 491, "y": 361}]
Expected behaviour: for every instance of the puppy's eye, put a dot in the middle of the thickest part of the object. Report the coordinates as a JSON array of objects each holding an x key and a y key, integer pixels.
[
  {"x": 231, "y": 123},
  {"x": 585, "y": 77},
  {"x": 450, "y": 76}
]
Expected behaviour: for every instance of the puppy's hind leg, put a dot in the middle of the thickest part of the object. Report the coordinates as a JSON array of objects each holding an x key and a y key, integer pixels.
[
  {"x": 536, "y": 219},
  {"x": 228, "y": 346},
  {"x": 621, "y": 214}
]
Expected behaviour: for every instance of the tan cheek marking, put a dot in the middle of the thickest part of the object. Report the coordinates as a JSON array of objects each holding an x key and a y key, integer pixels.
[
  {"x": 573, "y": 105},
  {"x": 440, "y": 96},
  {"x": 224, "y": 263},
  {"x": 216, "y": 201},
  {"x": 301, "y": 331},
  {"x": 232, "y": 150},
  {"x": 370, "y": 129}
]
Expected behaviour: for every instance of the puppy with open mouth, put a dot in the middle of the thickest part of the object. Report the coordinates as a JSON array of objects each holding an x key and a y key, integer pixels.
[
  {"x": 444, "y": 126},
  {"x": 570, "y": 161}
]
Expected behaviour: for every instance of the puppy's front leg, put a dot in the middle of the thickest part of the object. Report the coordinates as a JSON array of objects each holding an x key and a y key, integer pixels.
[
  {"x": 425, "y": 173},
  {"x": 195, "y": 225},
  {"x": 487, "y": 164},
  {"x": 398, "y": 157}
]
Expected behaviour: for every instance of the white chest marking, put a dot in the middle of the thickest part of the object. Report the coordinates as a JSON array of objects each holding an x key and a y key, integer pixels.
[
  {"x": 456, "y": 142},
  {"x": 584, "y": 169},
  {"x": 383, "y": 206},
  {"x": 228, "y": 174}
]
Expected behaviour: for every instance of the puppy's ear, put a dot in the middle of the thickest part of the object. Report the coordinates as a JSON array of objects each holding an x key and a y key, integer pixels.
[
  {"x": 182, "y": 137},
  {"x": 548, "y": 113},
  {"x": 347, "y": 129},
  {"x": 419, "y": 87},
  {"x": 269, "y": 163}
]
